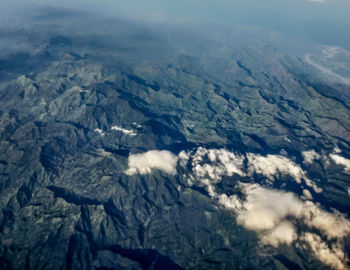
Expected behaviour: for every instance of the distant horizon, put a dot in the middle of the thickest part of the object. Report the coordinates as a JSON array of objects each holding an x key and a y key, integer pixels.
[{"x": 321, "y": 21}]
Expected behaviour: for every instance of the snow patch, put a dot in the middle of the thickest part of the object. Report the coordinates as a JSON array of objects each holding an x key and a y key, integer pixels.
[
  {"x": 99, "y": 131},
  {"x": 123, "y": 130}
]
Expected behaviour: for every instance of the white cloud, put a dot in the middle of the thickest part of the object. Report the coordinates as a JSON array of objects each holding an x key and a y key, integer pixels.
[
  {"x": 264, "y": 209},
  {"x": 307, "y": 194},
  {"x": 336, "y": 150},
  {"x": 332, "y": 256},
  {"x": 184, "y": 157},
  {"x": 144, "y": 163},
  {"x": 311, "y": 184},
  {"x": 341, "y": 161},
  {"x": 232, "y": 201},
  {"x": 213, "y": 163},
  {"x": 125, "y": 131},
  {"x": 273, "y": 215},
  {"x": 283, "y": 233},
  {"x": 333, "y": 225},
  {"x": 260, "y": 212},
  {"x": 310, "y": 156},
  {"x": 273, "y": 165}
]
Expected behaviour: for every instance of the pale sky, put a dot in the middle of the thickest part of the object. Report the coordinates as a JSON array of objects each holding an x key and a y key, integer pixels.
[{"x": 324, "y": 21}]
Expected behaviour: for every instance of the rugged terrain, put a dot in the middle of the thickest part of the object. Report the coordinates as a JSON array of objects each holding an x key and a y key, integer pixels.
[{"x": 75, "y": 109}]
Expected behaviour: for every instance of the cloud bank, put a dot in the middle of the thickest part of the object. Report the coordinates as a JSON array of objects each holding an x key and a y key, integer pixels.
[
  {"x": 278, "y": 217},
  {"x": 213, "y": 164}
]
